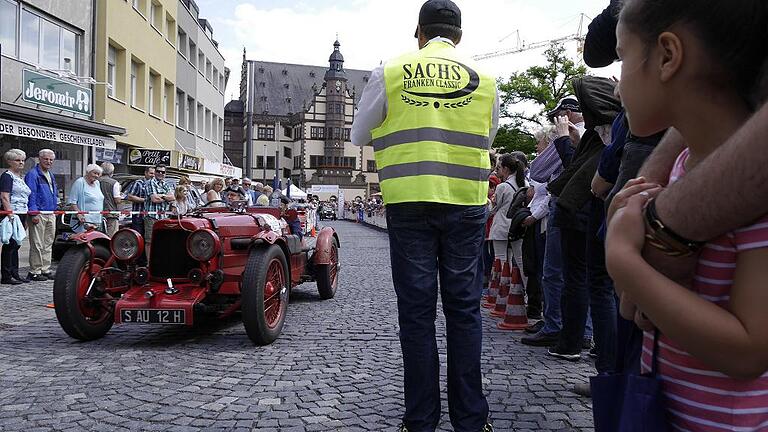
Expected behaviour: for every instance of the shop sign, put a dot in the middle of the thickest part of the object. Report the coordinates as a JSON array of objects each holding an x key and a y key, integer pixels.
[
  {"x": 55, "y": 93},
  {"x": 27, "y": 130},
  {"x": 187, "y": 162},
  {"x": 144, "y": 157},
  {"x": 116, "y": 156},
  {"x": 224, "y": 170}
]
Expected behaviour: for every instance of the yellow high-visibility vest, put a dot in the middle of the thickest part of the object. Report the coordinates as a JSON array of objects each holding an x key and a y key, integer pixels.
[{"x": 433, "y": 144}]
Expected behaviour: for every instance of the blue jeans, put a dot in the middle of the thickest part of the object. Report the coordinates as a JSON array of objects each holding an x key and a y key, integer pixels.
[
  {"x": 588, "y": 292},
  {"x": 431, "y": 242},
  {"x": 552, "y": 279}
]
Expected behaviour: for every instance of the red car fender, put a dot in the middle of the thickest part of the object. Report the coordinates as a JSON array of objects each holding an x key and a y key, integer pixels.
[
  {"x": 324, "y": 245},
  {"x": 88, "y": 239}
]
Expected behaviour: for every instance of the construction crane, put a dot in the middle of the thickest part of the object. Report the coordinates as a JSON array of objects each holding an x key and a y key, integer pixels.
[{"x": 522, "y": 46}]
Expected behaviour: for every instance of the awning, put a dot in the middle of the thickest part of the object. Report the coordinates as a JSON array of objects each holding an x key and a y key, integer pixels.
[{"x": 29, "y": 115}]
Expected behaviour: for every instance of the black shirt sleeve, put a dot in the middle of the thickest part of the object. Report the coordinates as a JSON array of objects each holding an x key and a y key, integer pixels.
[{"x": 6, "y": 182}]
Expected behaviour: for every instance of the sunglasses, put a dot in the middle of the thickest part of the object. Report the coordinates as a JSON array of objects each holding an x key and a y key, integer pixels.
[{"x": 159, "y": 172}]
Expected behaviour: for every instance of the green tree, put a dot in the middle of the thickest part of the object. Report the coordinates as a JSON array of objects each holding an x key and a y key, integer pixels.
[
  {"x": 513, "y": 137},
  {"x": 542, "y": 86}
]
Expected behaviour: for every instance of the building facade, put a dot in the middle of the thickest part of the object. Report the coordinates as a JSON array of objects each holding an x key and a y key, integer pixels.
[
  {"x": 302, "y": 117},
  {"x": 165, "y": 84},
  {"x": 201, "y": 81},
  {"x": 47, "y": 87}
]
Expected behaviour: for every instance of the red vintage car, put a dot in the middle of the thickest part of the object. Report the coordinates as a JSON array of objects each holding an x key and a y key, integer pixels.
[{"x": 219, "y": 260}]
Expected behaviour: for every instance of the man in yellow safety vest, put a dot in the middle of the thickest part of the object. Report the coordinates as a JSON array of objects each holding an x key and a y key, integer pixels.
[{"x": 431, "y": 116}]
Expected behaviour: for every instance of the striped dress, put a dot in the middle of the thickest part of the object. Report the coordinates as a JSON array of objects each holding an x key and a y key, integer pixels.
[{"x": 698, "y": 397}]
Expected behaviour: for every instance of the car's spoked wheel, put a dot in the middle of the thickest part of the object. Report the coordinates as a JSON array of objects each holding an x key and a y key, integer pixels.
[
  {"x": 328, "y": 274},
  {"x": 264, "y": 294},
  {"x": 274, "y": 291},
  {"x": 82, "y": 315}
]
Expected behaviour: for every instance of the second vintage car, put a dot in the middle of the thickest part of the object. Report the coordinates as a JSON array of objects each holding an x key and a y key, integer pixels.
[{"x": 215, "y": 259}]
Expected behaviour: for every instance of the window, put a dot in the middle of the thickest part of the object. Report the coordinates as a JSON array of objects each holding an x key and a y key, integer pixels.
[
  {"x": 9, "y": 14},
  {"x": 30, "y": 37},
  {"x": 43, "y": 42},
  {"x": 170, "y": 29},
  {"x": 227, "y": 135},
  {"x": 190, "y": 110},
  {"x": 134, "y": 82},
  {"x": 215, "y": 78},
  {"x": 182, "y": 40},
  {"x": 286, "y": 173},
  {"x": 207, "y": 124},
  {"x": 346, "y": 134},
  {"x": 200, "y": 120},
  {"x": 317, "y": 132},
  {"x": 140, "y": 6},
  {"x": 154, "y": 105},
  {"x": 270, "y": 162},
  {"x": 221, "y": 129},
  {"x": 287, "y": 152},
  {"x": 297, "y": 162},
  {"x": 168, "y": 104},
  {"x": 192, "y": 52},
  {"x": 208, "y": 70},
  {"x": 156, "y": 16},
  {"x": 266, "y": 133},
  {"x": 181, "y": 111},
  {"x": 111, "y": 70},
  {"x": 316, "y": 161},
  {"x": 215, "y": 128},
  {"x": 201, "y": 62},
  {"x": 371, "y": 166}
]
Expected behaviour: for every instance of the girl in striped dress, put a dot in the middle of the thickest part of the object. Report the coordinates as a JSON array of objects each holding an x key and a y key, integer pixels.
[{"x": 692, "y": 66}]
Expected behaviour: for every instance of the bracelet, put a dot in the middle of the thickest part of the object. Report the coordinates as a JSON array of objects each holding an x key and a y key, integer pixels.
[{"x": 663, "y": 238}]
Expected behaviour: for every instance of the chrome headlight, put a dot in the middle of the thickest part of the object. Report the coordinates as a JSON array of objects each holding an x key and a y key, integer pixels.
[
  {"x": 203, "y": 245},
  {"x": 126, "y": 244}
]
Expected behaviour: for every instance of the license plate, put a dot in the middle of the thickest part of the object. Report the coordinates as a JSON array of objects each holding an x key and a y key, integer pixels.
[{"x": 153, "y": 316}]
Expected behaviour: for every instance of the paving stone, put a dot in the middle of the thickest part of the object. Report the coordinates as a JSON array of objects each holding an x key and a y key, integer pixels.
[{"x": 336, "y": 367}]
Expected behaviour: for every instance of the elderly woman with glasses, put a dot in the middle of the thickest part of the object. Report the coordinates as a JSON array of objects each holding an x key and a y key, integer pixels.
[
  {"x": 85, "y": 195},
  {"x": 14, "y": 194}
]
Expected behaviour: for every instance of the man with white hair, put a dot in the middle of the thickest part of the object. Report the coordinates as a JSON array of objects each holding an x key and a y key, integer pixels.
[
  {"x": 112, "y": 196},
  {"x": 42, "y": 228},
  {"x": 250, "y": 196}
]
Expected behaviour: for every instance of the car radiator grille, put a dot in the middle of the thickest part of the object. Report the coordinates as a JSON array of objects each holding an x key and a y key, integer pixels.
[{"x": 168, "y": 256}]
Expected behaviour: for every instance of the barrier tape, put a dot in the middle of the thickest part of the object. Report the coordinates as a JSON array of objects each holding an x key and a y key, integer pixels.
[{"x": 83, "y": 212}]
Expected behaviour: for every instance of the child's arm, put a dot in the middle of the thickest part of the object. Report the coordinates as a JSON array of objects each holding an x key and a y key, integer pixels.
[{"x": 734, "y": 342}]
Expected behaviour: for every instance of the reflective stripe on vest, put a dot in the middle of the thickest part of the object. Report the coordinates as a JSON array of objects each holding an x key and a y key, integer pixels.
[{"x": 433, "y": 144}]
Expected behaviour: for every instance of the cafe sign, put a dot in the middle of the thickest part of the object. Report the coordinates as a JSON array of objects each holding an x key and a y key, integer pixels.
[
  {"x": 55, "y": 93},
  {"x": 143, "y": 157},
  {"x": 187, "y": 162}
]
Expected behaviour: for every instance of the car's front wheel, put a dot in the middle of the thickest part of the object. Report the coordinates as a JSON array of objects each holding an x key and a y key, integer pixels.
[
  {"x": 265, "y": 294},
  {"x": 83, "y": 311}
]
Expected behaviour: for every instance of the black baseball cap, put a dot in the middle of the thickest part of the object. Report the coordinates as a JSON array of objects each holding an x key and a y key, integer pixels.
[
  {"x": 569, "y": 103},
  {"x": 439, "y": 12}
]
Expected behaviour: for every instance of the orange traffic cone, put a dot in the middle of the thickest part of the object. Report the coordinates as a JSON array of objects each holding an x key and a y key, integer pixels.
[
  {"x": 493, "y": 288},
  {"x": 515, "y": 317},
  {"x": 501, "y": 298}
]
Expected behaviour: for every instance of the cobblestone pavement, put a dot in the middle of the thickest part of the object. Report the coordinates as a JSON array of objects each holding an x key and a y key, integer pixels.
[{"x": 336, "y": 367}]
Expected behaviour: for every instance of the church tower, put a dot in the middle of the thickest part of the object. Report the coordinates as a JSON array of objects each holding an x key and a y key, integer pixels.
[{"x": 335, "y": 119}]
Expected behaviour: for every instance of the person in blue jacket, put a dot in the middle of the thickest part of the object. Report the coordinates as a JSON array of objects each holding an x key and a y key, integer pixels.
[{"x": 44, "y": 196}]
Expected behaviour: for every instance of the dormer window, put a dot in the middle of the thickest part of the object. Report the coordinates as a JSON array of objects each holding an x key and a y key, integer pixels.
[
  {"x": 312, "y": 74},
  {"x": 285, "y": 71},
  {"x": 261, "y": 70},
  {"x": 286, "y": 85}
]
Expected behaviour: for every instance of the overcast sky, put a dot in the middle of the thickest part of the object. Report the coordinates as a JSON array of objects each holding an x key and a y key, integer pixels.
[{"x": 371, "y": 31}]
